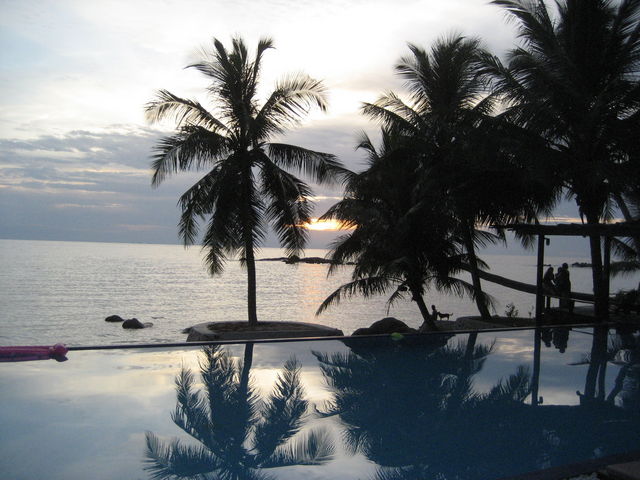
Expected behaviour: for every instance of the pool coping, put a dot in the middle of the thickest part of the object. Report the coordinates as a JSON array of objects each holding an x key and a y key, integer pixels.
[
  {"x": 581, "y": 468},
  {"x": 328, "y": 338}
]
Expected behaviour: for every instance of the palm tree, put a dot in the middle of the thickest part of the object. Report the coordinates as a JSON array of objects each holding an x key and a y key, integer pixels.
[
  {"x": 574, "y": 81},
  {"x": 402, "y": 240},
  {"x": 463, "y": 151},
  {"x": 238, "y": 436},
  {"x": 248, "y": 184}
]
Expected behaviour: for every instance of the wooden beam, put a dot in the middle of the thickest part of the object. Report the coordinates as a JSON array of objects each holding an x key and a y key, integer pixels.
[
  {"x": 525, "y": 287},
  {"x": 576, "y": 229},
  {"x": 539, "y": 287},
  {"x": 606, "y": 276}
]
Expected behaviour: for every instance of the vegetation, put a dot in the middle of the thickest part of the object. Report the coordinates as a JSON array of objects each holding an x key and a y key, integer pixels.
[
  {"x": 401, "y": 242},
  {"x": 450, "y": 172},
  {"x": 574, "y": 82},
  {"x": 477, "y": 142},
  {"x": 248, "y": 184}
]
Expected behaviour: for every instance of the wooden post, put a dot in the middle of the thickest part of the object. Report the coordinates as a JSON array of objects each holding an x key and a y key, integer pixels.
[
  {"x": 606, "y": 274},
  {"x": 539, "y": 274},
  {"x": 535, "y": 378}
]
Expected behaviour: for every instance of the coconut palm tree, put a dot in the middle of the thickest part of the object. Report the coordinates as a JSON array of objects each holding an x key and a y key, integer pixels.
[
  {"x": 239, "y": 436},
  {"x": 575, "y": 81},
  {"x": 248, "y": 184},
  {"x": 401, "y": 242},
  {"x": 463, "y": 152}
]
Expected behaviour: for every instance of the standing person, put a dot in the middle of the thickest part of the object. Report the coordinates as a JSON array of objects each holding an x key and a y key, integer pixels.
[
  {"x": 548, "y": 285},
  {"x": 563, "y": 287}
]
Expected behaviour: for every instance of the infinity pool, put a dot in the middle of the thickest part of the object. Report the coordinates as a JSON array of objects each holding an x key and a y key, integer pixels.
[{"x": 467, "y": 406}]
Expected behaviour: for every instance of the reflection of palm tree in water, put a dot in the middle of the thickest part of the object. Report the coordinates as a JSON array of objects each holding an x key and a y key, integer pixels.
[
  {"x": 425, "y": 420},
  {"x": 627, "y": 384},
  {"x": 237, "y": 434},
  {"x": 622, "y": 350}
]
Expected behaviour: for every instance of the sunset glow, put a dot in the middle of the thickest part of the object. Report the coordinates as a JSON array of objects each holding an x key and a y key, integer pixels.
[{"x": 325, "y": 225}]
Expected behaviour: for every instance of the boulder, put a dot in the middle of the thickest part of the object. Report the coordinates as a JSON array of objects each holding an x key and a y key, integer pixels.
[
  {"x": 132, "y": 323},
  {"x": 114, "y": 318},
  {"x": 361, "y": 331},
  {"x": 385, "y": 326}
]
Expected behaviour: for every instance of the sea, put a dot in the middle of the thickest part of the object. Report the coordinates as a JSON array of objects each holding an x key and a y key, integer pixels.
[{"x": 61, "y": 292}]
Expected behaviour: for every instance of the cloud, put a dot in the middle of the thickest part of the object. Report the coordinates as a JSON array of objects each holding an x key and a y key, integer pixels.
[
  {"x": 142, "y": 228},
  {"x": 89, "y": 206}
]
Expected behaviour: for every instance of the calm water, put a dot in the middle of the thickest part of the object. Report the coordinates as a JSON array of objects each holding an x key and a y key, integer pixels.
[
  {"x": 62, "y": 291},
  {"x": 433, "y": 407}
]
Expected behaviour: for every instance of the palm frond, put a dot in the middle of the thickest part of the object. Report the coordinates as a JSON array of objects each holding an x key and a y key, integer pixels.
[
  {"x": 314, "y": 447},
  {"x": 292, "y": 99},
  {"x": 191, "y": 147},
  {"x": 287, "y": 206},
  {"x": 196, "y": 203},
  {"x": 322, "y": 168},
  {"x": 364, "y": 286},
  {"x": 185, "y": 112},
  {"x": 174, "y": 460},
  {"x": 191, "y": 414},
  {"x": 282, "y": 411},
  {"x": 515, "y": 388}
]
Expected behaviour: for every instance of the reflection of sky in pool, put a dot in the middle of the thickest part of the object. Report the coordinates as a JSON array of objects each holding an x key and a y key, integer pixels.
[{"x": 428, "y": 407}]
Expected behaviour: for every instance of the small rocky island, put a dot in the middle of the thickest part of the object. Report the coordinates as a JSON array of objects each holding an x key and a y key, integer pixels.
[{"x": 295, "y": 259}]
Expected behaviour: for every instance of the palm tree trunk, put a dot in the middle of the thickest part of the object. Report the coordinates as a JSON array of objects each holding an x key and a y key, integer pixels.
[
  {"x": 598, "y": 357},
  {"x": 429, "y": 321},
  {"x": 246, "y": 366},
  {"x": 599, "y": 291},
  {"x": 248, "y": 227},
  {"x": 475, "y": 277},
  {"x": 252, "y": 309}
]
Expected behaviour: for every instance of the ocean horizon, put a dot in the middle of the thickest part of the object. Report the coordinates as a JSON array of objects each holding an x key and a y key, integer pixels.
[{"x": 61, "y": 291}]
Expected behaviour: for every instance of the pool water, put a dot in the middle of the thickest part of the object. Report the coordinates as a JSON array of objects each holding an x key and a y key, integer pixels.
[{"x": 468, "y": 406}]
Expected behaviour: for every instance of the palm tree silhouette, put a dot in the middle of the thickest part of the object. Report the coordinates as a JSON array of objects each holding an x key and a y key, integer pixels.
[
  {"x": 238, "y": 435},
  {"x": 402, "y": 240},
  {"x": 248, "y": 184},
  {"x": 463, "y": 153},
  {"x": 574, "y": 82}
]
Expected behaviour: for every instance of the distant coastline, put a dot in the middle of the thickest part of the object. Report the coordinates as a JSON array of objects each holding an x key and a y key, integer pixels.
[{"x": 294, "y": 259}]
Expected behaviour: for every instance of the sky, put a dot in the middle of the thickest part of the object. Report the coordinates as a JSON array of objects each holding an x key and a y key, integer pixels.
[{"x": 75, "y": 76}]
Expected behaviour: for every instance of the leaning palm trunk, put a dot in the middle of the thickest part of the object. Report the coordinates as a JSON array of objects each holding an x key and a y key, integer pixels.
[{"x": 475, "y": 276}]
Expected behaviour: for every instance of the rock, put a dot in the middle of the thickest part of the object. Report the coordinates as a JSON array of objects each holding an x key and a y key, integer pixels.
[
  {"x": 114, "y": 318},
  {"x": 385, "y": 326},
  {"x": 361, "y": 331},
  {"x": 292, "y": 259},
  {"x": 132, "y": 323},
  {"x": 241, "y": 330}
]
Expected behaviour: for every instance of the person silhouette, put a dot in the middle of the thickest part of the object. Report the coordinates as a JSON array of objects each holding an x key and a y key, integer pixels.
[
  {"x": 563, "y": 287},
  {"x": 548, "y": 286}
]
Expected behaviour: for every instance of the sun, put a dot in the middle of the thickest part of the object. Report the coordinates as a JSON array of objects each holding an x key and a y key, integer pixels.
[{"x": 324, "y": 225}]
